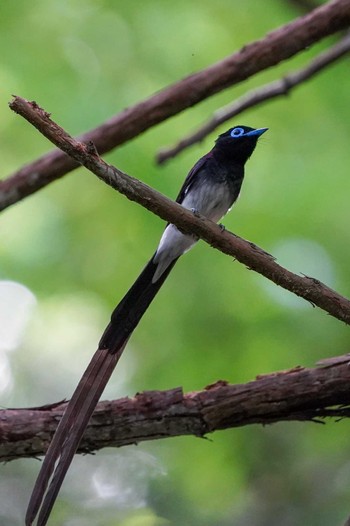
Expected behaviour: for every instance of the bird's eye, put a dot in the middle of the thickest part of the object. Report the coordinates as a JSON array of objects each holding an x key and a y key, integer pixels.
[{"x": 237, "y": 132}]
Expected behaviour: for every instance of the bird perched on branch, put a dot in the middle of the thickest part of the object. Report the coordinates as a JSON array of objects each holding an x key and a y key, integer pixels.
[{"x": 211, "y": 188}]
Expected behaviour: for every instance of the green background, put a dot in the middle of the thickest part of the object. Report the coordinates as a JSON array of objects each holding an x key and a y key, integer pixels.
[{"x": 78, "y": 245}]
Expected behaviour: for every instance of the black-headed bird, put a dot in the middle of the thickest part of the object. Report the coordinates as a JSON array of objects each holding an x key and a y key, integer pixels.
[{"x": 211, "y": 188}]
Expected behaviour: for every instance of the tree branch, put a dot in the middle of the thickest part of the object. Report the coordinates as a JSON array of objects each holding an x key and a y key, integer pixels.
[
  {"x": 270, "y": 91},
  {"x": 295, "y": 395},
  {"x": 247, "y": 253},
  {"x": 277, "y": 46}
]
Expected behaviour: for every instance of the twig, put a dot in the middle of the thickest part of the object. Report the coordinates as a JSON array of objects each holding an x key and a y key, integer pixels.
[
  {"x": 277, "y": 46},
  {"x": 270, "y": 91},
  {"x": 294, "y": 395},
  {"x": 247, "y": 253}
]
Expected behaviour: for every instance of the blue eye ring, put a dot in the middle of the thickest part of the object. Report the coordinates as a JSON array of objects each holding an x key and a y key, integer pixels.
[{"x": 237, "y": 132}]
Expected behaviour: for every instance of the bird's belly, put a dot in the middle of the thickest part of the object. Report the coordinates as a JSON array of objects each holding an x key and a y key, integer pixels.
[{"x": 211, "y": 200}]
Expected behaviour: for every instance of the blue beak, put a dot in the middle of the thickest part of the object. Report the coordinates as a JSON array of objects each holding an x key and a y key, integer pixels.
[{"x": 257, "y": 132}]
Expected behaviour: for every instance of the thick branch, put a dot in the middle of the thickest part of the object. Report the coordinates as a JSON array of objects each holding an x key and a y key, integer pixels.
[
  {"x": 278, "y": 88},
  {"x": 247, "y": 253},
  {"x": 297, "y": 394},
  {"x": 277, "y": 46}
]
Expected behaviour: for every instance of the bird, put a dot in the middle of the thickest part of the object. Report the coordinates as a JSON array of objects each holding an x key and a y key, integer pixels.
[{"x": 211, "y": 188}]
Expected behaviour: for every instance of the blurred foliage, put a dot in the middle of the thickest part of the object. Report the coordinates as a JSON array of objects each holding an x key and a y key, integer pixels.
[{"x": 78, "y": 246}]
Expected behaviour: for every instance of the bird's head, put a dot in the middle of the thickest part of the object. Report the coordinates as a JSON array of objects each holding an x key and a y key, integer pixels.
[{"x": 238, "y": 143}]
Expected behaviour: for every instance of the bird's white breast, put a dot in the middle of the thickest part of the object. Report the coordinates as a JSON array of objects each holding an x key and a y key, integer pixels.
[{"x": 210, "y": 200}]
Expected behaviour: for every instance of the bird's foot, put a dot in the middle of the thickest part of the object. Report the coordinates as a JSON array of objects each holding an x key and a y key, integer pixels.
[
  {"x": 195, "y": 212},
  {"x": 222, "y": 227}
]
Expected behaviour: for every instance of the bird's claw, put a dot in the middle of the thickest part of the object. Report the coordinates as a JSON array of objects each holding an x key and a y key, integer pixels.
[
  {"x": 195, "y": 212},
  {"x": 222, "y": 227}
]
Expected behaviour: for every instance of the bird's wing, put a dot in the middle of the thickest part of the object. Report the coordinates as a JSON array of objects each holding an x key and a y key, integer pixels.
[{"x": 192, "y": 176}]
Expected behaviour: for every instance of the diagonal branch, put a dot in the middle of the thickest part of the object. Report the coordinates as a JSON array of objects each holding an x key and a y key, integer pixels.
[
  {"x": 270, "y": 91},
  {"x": 247, "y": 253},
  {"x": 294, "y": 395},
  {"x": 277, "y": 46}
]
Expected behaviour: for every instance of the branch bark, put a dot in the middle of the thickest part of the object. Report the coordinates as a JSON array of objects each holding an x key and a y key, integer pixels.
[
  {"x": 294, "y": 395},
  {"x": 247, "y": 253},
  {"x": 277, "y": 46},
  {"x": 278, "y": 88}
]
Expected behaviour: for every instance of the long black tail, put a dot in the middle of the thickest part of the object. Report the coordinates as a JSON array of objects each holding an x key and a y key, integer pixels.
[
  {"x": 72, "y": 425},
  {"x": 132, "y": 307}
]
